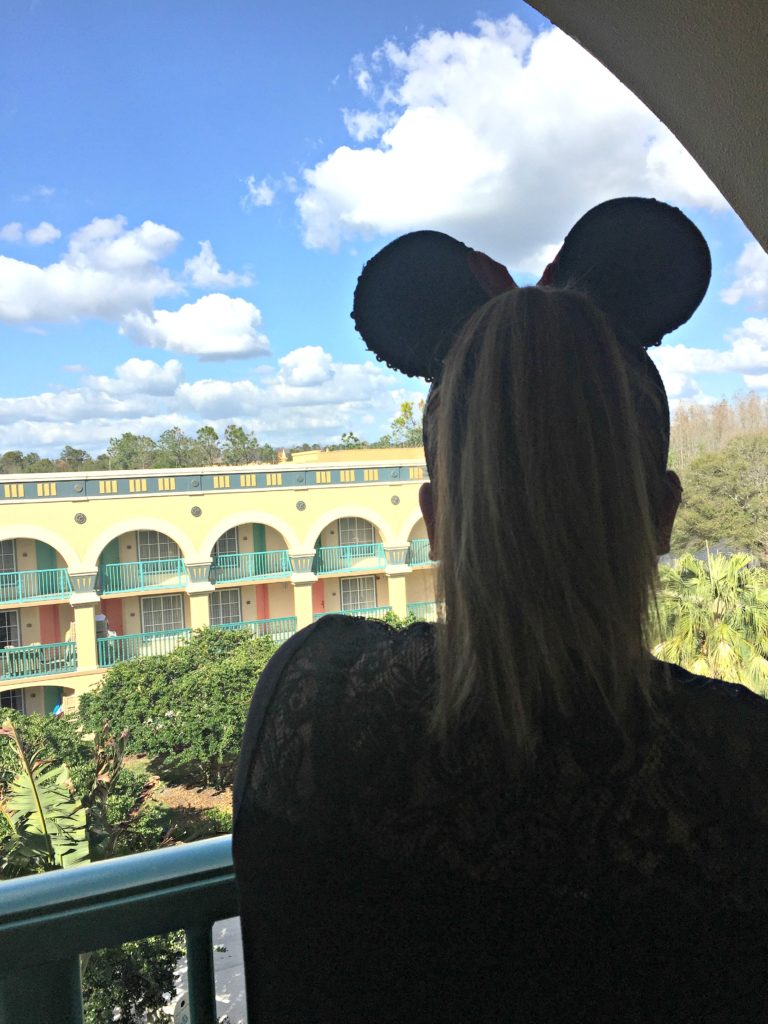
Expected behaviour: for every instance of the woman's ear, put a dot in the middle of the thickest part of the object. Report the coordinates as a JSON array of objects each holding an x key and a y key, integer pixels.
[
  {"x": 673, "y": 493},
  {"x": 427, "y": 505}
]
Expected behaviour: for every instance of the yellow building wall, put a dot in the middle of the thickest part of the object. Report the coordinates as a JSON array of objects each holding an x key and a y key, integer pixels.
[
  {"x": 79, "y": 528},
  {"x": 420, "y": 585}
]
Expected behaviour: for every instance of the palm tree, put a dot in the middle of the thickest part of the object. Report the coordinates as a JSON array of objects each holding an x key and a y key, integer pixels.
[{"x": 713, "y": 618}]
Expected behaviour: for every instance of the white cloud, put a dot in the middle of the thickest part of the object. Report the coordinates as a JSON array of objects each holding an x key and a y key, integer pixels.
[
  {"x": 259, "y": 193},
  {"x": 215, "y": 327},
  {"x": 42, "y": 234},
  {"x": 306, "y": 367},
  {"x": 366, "y": 124},
  {"x": 204, "y": 270},
  {"x": 751, "y": 276},
  {"x": 108, "y": 270},
  {"x": 747, "y": 354},
  {"x": 11, "y": 232},
  {"x": 498, "y": 136},
  {"x": 352, "y": 396},
  {"x": 140, "y": 376}
]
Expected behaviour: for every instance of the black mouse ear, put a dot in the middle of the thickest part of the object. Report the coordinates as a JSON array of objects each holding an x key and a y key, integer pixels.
[
  {"x": 415, "y": 294},
  {"x": 642, "y": 262}
]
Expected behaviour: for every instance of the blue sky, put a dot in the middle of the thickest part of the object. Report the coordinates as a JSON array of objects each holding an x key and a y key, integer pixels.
[{"x": 188, "y": 191}]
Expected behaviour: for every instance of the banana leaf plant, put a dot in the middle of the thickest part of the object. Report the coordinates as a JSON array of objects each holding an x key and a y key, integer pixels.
[{"x": 46, "y": 825}]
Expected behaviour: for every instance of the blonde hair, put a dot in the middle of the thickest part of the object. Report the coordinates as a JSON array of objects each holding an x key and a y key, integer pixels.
[{"x": 546, "y": 494}]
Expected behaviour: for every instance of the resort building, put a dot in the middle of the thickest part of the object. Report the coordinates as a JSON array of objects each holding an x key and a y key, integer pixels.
[{"x": 97, "y": 568}]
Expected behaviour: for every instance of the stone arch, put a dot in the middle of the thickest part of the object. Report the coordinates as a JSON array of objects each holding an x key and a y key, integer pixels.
[
  {"x": 342, "y": 512},
  {"x": 163, "y": 526},
  {"x": 241, "y": 518},
  {"x": 45, "y": 536}
]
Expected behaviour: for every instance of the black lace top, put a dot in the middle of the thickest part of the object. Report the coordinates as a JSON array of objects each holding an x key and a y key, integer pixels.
[{"x": 381, "y": 881}]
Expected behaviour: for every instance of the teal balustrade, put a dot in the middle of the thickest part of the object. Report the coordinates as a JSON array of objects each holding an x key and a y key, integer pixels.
[
  {"x": 360, "y": 613},
  {"x": 419, "y": 552},
  {"x": 38, "y": 660},
  {"x": 425, "y": 611},
  {"x": 139, "y": 645},
  {"x": 280, "y": 629},
  {"x": 34, "y": 585},
  {"x": 348, "y": 558},
  {"x": 157, "y": 574},
  {"x": 250, "y": 565},
  {"x": 47, "y": 921}
]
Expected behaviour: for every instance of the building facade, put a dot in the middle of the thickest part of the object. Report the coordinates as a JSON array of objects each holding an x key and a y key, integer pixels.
[{"x": 98, "y": 568}]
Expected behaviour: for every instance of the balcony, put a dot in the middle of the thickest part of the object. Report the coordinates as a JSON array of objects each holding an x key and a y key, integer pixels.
[
  {"x": 139, "y": 645},
  {"x": 38, "y": 660},
  {"x": 348, "y": 558},
  {"x": 47, "y": 921},
  {"x": 419, "y": 552},
  {"x": 360, "y": 613},
  {"x": 34, "y": 585},
  {"x": 424, "y": 611},
  {"x": 250, "y": 565},
  {"x": 279, "y": 629},
  {"x": 129, "y": 577}
]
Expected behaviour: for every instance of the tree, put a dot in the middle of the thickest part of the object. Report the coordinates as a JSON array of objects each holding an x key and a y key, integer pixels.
[
  {"x": 134, "y": 979},
  {"x": 207, "y": 447},
  {"x": 12, "y": 462},
  {"x": 350, "y": 440},
  {"x": 240, "y": 446},
  {"x": 175, "y": 449},
  {"x": 713, "y": 618},
  {"x": 45, "y": 821},
  {"x": 74, "y": 458},
  {"x": 34, "y": 464},
  {"x": 405, "y": 430},
  {"x": 131, "y": 451},
  {"x": 187, "y": 709},
  {"x": 726, "y": 498}
]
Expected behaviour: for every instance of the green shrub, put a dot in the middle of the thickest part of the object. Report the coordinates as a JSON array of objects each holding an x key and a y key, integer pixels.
[{"x": 185, "y": 710}]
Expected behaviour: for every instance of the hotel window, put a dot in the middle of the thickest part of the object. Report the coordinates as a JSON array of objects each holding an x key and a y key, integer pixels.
[
  {"x": 356, "y": 531},
  {"x": 9, "y": 629},
  {"x": 159, "y": 614},
  {"x": 227, "y": 543},
  {"x": 154, "y": 546},
  {"x": 12, "y": 699},
  {"x": 358, "y": 592},
  {"x": 7, "y": 556},
  {"x": 224, "y": 606}
]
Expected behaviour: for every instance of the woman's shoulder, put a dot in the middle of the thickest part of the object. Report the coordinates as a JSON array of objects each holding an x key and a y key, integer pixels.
[
  {"x": 725, "y": 727},
  {"x": 333, "y": 691}
]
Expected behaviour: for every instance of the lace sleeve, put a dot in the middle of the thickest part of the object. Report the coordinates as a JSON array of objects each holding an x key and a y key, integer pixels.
[{"x": 302, "y": 728}]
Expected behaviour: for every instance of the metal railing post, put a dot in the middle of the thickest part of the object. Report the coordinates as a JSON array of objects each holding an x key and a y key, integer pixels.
[
  {"x": 48, "y": 993},
  {"x": 201, "y": 986}
]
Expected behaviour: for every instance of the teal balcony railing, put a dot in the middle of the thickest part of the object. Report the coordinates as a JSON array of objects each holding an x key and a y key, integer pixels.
[
  {"x": 38, "y": 660},
  {"x": 361, "y": 613},
  {"x": 34, "y": 585},
  {"x": 419, "y": 552},
  {"x": 139, "y": 645},
  {"x": 158, "y": 574},
  {"x": 349, "y": 558},
  {"x": 425, "y": 611},
  {"x": 250, "y": 565},
  {"x": 47, "y": 921},
  {"x": 280, "y": 629}
]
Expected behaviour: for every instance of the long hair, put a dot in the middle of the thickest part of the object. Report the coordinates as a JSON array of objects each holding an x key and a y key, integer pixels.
[{"x": 547, "y": 487}]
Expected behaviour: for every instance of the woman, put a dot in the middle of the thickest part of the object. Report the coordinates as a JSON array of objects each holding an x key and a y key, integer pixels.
[{"x": 517, "y": 815}]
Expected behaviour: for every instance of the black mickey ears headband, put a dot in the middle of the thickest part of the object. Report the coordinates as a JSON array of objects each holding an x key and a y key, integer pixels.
[{"x": 642, "y": 262}]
